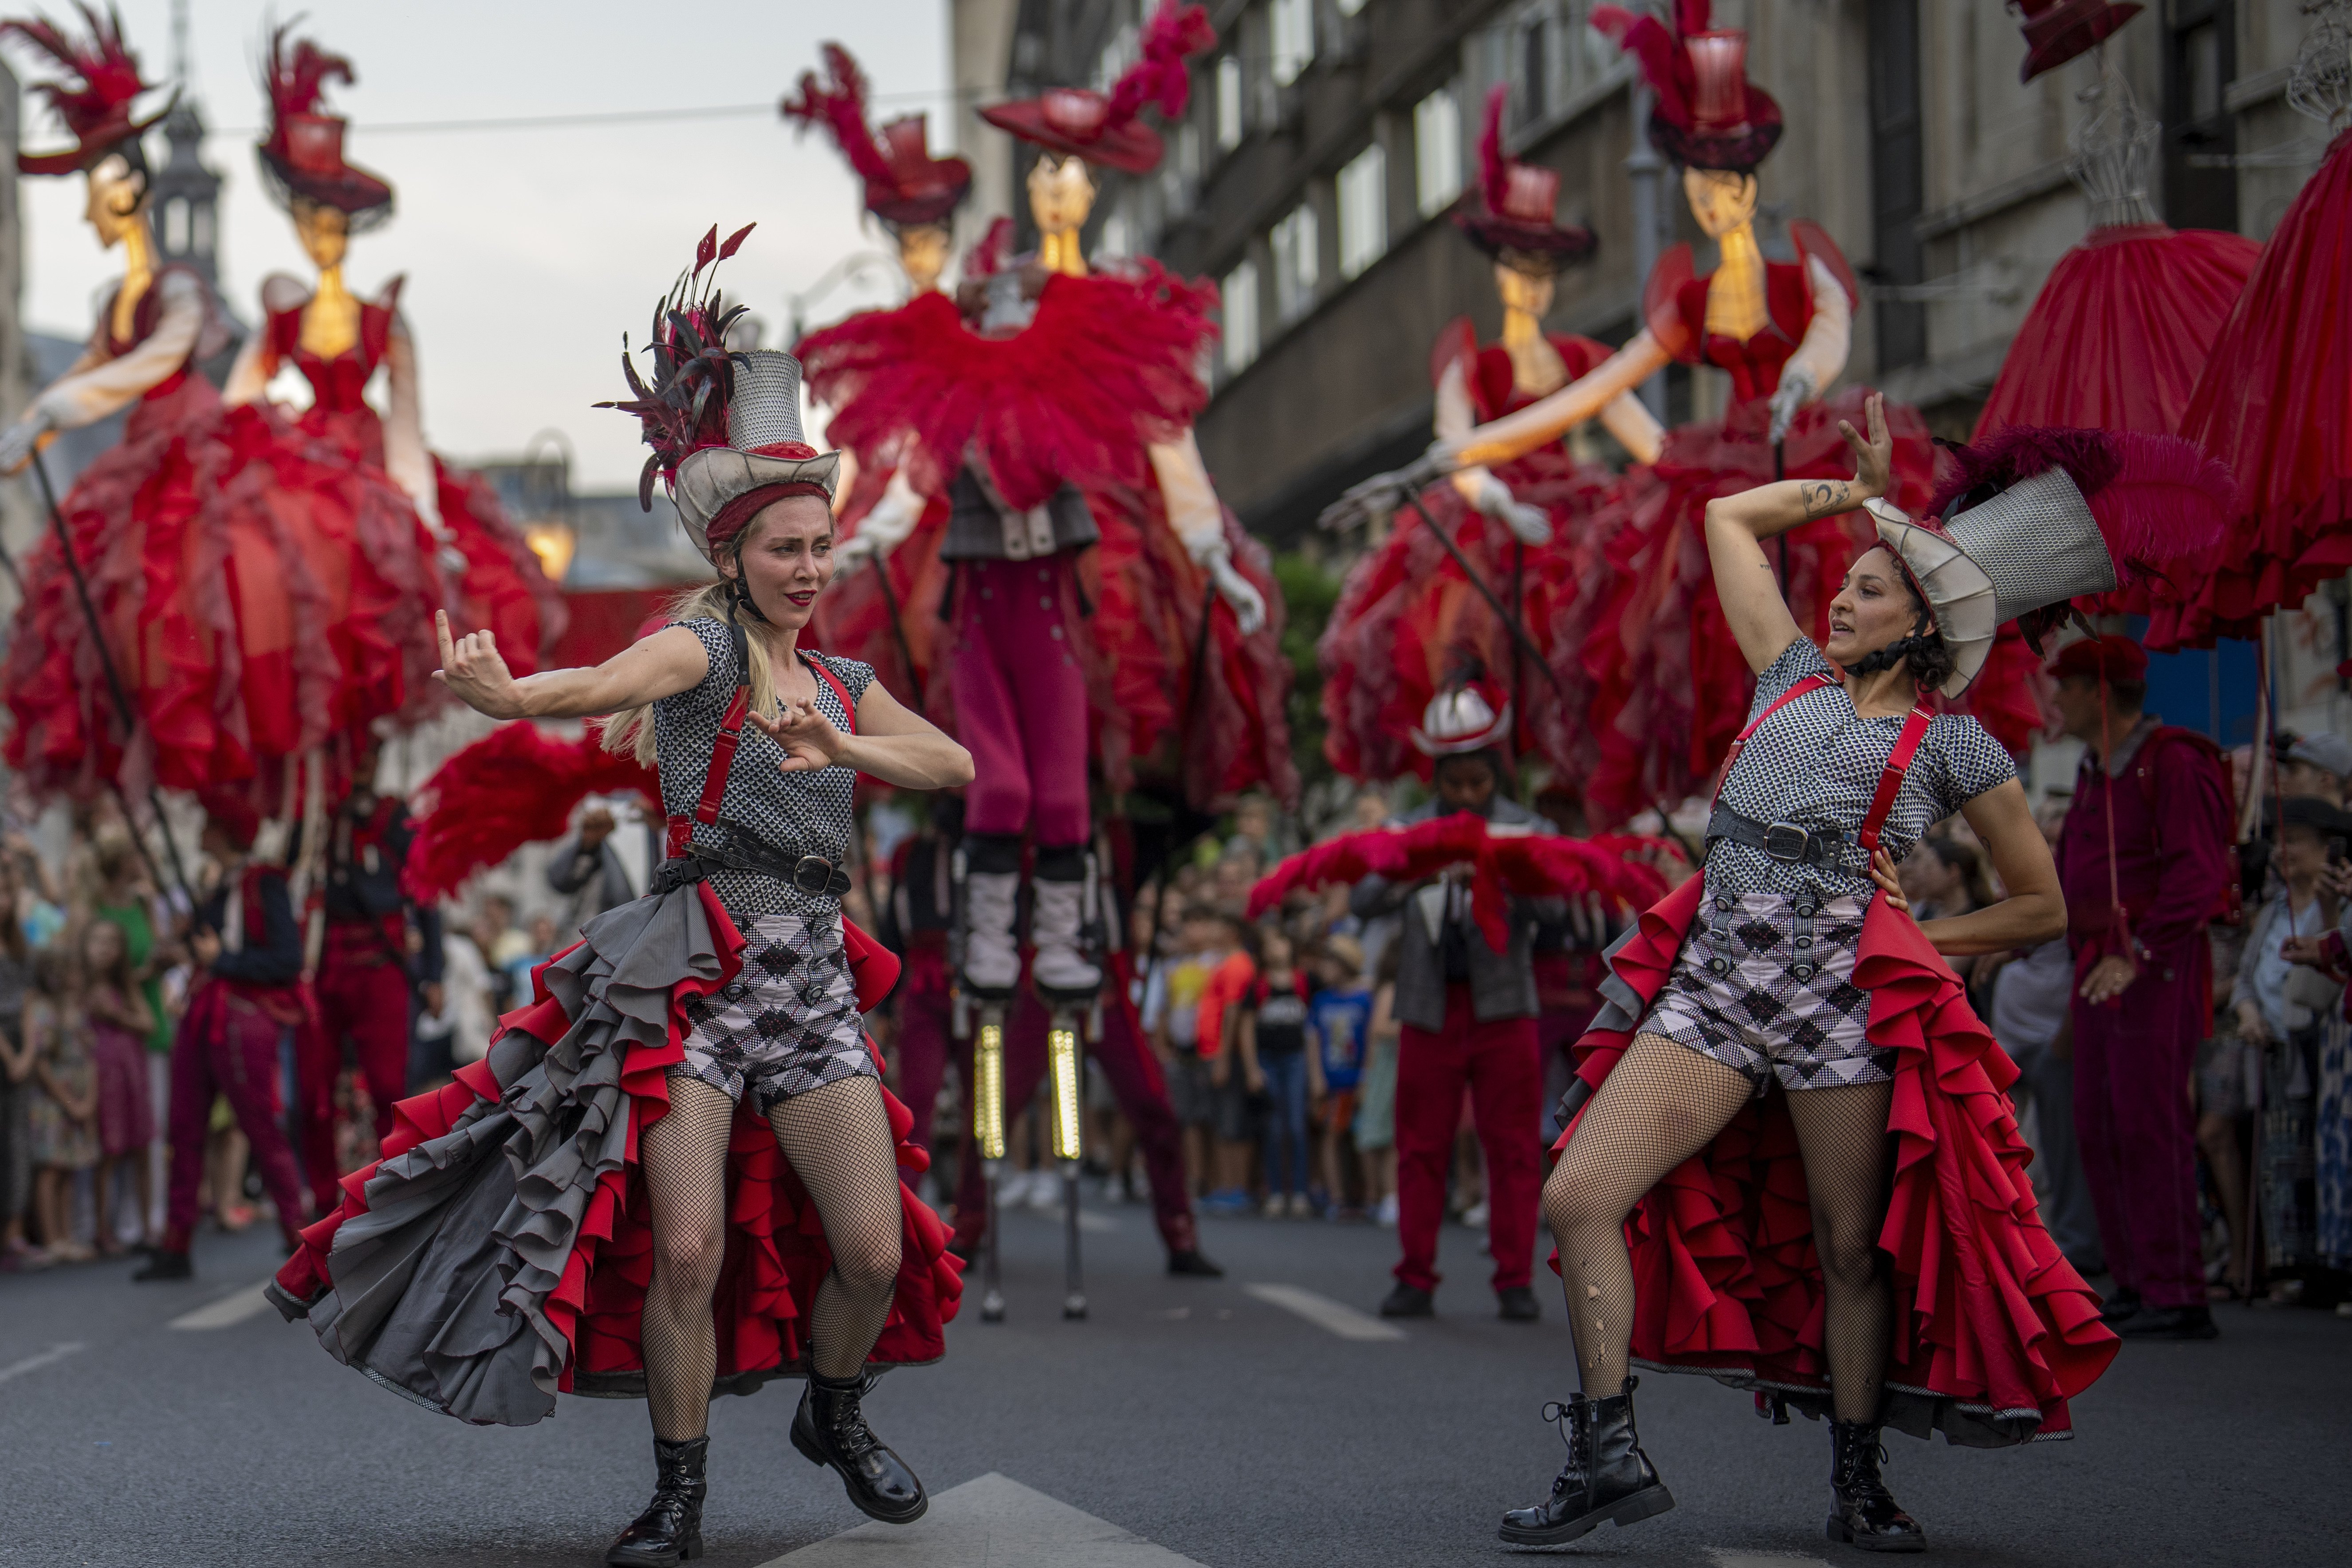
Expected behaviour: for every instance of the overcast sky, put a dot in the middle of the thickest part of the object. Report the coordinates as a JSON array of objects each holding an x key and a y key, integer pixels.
[{"x": 528, "y": 251}]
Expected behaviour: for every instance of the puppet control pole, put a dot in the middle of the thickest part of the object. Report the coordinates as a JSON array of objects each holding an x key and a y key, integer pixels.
[{"x": 114, "y": 686}]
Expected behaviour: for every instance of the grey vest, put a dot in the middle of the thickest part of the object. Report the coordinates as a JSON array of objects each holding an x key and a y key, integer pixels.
[{"x": 981, "y": 528}]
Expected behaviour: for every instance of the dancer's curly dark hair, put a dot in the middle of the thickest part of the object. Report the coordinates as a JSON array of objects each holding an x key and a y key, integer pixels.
[{"x": 1924, "y": 650}]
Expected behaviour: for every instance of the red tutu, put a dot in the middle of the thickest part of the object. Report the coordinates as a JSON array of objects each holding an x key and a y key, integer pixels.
[
  {"x": 1408, "y": 620},
  {"x": 2273, "y": 404},
  {"x": 1994, "y": 1330},
  {"x": 1106, "y": 367}
]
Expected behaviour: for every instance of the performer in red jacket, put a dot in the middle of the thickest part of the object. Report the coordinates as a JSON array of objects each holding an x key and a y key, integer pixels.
[
  {"x": 1924, "y": 1293},
  {"x": 2146, "y": 858}
]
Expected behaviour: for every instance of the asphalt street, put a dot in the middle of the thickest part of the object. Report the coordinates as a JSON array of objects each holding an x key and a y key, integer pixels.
[{"x": 1247, "y": 1421}]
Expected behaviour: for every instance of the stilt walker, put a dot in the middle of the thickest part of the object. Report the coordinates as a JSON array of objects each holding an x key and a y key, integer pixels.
[{"x": 1044, "y": 429}]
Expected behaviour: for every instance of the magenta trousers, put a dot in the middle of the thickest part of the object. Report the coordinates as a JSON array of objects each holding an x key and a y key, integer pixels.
[
  {"x": 227, "y": 1045},
  {"x": 2135, "y": 1127},
  {"x": 1021, "y": 700}
]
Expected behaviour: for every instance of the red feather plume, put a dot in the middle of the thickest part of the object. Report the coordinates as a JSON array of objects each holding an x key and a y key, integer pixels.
[
  {"x": 297, "y": 82},
  {"x": 1175, "y": 33},
  {"x": 1529, "y": 865},
  {"x": 514, "y": 786},
  {"x": 2157, "y": 499},
  {"x": 1494, "y": 169},
  {"x": 107, "y": 68},
  {"x": 839, "y": 105}
]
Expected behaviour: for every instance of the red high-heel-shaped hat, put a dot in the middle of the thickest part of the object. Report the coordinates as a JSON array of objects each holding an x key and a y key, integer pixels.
[
  {"x": 1707, "y": 114},
  {"x": 904, "y": 183},
  {"x": 2057, "y": 31},
  {"x": 1108, "y": 129},
  {"x": 302, "y": 157},
  {"x": 1513, "y": 214},
  {"x": 98, "y": 112}
]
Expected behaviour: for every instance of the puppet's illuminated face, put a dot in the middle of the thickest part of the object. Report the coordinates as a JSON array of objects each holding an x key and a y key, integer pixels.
[
  {"x": 1061, "y": 193},
  {"x": 117, "y": 195},
  {"x": 1525, "y": 292},
  {"x": 325, "y": 233},
  {"x": 1721, "y": 199},
  {"x": 923, "y": 255}
]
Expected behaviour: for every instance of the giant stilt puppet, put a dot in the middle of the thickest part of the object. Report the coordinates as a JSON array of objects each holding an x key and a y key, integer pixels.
[
  {"x": 339, "y": 341},
  {"x": 1490, "y": 569},
  {"x": 203, "y": 611},
  {"x": 1039, "y": 442}
]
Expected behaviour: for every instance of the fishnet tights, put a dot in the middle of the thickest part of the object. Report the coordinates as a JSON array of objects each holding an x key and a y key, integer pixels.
[
  {"x": 1662, "y": 1104},
  {"x": 838, "y": 1141}
]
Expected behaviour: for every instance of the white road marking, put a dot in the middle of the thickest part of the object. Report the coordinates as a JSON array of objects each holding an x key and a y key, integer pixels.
[
  {"x": 1325, "y": 1313},
  {"x": 45, "y": 1358},
  {"x": 227, "y": 1312},
  {"x": 991, "y": 1522}
]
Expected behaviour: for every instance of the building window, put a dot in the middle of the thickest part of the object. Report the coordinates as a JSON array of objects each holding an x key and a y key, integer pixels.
[
  {"x": 1291, "y": 24},
  {"x": 1240, "y": 295},
  {"x": 1228, "y": 103},
  {"x": 1436, "y": 152},
  {"x": 1363, "y": 210},
  {"x": 1295, "y": 241}
]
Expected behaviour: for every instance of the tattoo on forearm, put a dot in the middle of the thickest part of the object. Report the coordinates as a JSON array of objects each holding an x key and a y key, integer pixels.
[{"x": 1824, "y": 497}]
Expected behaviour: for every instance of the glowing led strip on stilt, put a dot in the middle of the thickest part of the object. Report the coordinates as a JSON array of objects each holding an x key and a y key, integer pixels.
[
  {"x": 1068, "y": 1136},
  {"x": 988, "y": 1100}
]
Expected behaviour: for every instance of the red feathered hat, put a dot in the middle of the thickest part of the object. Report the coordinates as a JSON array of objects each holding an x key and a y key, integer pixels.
[
  {"x": 98, "y": 112},
  {"x": 302, "y": 157},
  {"x": 2058, "y": 30},
  {"x": 2034, "y": 518},
  {"x": 1108, "y": 130},
  {"x": 1707, "y": 114},
  {"x": 904, "y": 183},
  {"x": 1513, "y": 211}
]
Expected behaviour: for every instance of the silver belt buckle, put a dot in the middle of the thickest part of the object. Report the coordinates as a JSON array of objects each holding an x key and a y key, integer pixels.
[
  {"x": 812, "y": 875},
  {"x": 1787, "y": 842}
]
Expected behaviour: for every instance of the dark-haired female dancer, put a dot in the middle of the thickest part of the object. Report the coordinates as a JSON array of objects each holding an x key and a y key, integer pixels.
[{"x": 1922, "y": 1293}]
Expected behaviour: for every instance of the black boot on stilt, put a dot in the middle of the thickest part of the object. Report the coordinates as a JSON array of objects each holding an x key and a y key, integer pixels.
[
  {"x": 670, "y": 1529},
  {"x": 1607, "y": 1476},
  {"x": 830, "y": 1429},
  {"x": 1864, "y": 1512}
]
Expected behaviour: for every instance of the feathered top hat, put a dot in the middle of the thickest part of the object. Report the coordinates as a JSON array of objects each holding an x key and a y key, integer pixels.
[
  {"x": 1512, "y": 212},
  {"x": 904, "y": 183},
  {"x": 1108, "y": 130},
  {"x": 302, "y": 157},
  {"x": 2037, "y": 518},
  {"x": 98, "y": 112},
  {"x": 724, "y": 425},
  {"x": 1707, "y": 114},
  {"x": 1471, "y": 716},
  {"x": 2058, "y": 30}
]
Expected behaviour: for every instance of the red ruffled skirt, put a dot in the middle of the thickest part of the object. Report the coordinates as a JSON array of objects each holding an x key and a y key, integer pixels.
[
  {"x": 1994, "y": 1330},
  {"x": 1407, "y": 621},
  {"x": 2275, "y": 404},
  {"x": 444, "y": 1300},
  {"x": 236, "y": 577}
]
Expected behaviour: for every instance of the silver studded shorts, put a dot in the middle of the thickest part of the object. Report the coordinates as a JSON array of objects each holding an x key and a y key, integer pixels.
[
  {"x": 1765, "y": 984},
  {"x": 787, "y": 1023}
]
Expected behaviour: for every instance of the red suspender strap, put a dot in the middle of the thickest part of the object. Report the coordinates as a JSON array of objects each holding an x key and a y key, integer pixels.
[
  {"x": 730, "y": 736},
  {"x": 827, "y": 676},
  {"x": 1810, "y": 683},
  {"x": 1906, "y": 746}
]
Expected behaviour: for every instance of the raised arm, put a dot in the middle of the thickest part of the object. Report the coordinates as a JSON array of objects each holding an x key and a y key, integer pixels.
[
  {"x": 1548, "y": 419},
  {"x": 1738, "y": 525},
  {"x": 663, "y": 665}
]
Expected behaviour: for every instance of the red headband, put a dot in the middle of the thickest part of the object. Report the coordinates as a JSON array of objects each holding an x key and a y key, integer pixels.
[{"x": 737, "y": 514}]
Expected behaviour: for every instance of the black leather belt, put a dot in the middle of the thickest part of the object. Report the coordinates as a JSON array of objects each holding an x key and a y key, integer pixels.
[
  {"x": 1791, "y": 843},
  {"x": 811, "y": 873}
]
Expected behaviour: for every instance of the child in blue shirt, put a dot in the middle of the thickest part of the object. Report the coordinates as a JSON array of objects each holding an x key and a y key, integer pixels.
[{"x": 1339, "y": 1016}]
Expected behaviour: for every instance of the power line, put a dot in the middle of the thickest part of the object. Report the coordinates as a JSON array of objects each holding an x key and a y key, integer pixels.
[{"x": 599, "y": 117}]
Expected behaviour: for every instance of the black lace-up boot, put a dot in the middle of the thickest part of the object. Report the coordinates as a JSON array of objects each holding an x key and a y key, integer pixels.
[
  {"x": 830, "y": 1429},
  {"x": 1607, "y": 1476},
  {"x": 1863, "y": 1512},
  {"x": 670, "y": 1529}
]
